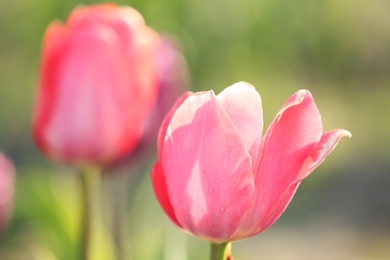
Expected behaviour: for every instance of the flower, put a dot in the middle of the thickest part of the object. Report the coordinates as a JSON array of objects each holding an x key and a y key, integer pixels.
[
  {"x": 7, "y": 176},
  {"x": 218, "y": 178},
  {"x": 97, "y": 84}
]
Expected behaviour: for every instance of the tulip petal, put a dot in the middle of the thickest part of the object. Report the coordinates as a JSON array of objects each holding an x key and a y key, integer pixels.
[
  {"x": 137, "y": 43},
  {"x": 243, "y": 104},
  {"x": 293, "y": 134},
  {"x": 53, "y": 43},
  {"x": 207, "y": 168},
  {"x": 158, "y": 178},
  {"x": 160, "y": 190},
  {"x": 7, "y": 183},
  {"x": 167, "y": 120},
  {"x": 279, "y": 207},
  {"x": 325, "y": 146}
]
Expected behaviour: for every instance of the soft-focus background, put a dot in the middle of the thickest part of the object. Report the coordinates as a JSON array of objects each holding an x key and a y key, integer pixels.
[{"x": 339, "y": 50}]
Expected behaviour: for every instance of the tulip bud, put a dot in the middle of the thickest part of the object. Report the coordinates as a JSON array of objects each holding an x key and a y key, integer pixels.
[{"x": 97, "y": 84}]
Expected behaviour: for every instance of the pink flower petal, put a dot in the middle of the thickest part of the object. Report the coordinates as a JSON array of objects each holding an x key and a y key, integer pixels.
[
  {"x": 158, "y": 178},
  {"x": 279, "y": 207},
  {"x": 167, "y": 120},
  {"x": 52, "y": 44},
  {"x": 7, "y": 186},
  {"x": 293, "y": 134},
  {"x": 207, "y": 168},
  {"x": 243, "y": 104},
  {"x": 160, "y": 190},
  {"x": 325, "y": 146}
]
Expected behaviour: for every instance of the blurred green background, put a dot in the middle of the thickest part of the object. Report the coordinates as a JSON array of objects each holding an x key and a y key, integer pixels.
[{"x": 339, "y": 50}]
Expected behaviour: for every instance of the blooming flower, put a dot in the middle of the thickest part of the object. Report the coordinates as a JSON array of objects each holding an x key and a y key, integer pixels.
[
  {"x": 98, "y": 82},
  {"x": 7, "y": 177},
  {"x": 218, "y": 178}
]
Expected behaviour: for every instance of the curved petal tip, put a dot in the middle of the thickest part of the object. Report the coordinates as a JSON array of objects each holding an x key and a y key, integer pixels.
[
  {"x": 324, "y": 147},
  {"x": 295, "y": 100},
  {"x": 243, "y": 83},
  {"x": 344, "y": 133}
]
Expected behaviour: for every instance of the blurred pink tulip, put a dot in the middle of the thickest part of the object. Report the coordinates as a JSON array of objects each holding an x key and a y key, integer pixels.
[
  {"x": 98, "y": 82},
  {"x": 7, "y": 177},
  {"x": 218, "y": 178}
]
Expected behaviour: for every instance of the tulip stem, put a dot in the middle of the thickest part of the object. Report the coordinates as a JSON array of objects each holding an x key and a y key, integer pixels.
[
  {"x": 221, "y": 251},
  {"x": 119, "y": 208},
  {"x": 95, "y": 244}
]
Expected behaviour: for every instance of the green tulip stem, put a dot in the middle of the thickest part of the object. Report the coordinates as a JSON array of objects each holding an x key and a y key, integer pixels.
[
  {"x": 119, "y": 213},
  {"x": 95, "y": 242},
  {"x": 221, "y": 251}
]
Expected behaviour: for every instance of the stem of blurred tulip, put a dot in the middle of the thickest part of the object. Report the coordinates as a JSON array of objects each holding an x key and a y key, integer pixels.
[
  {"x": 221, "y": 251},
  {"x": 95, "y": 242},
  {"x": 119, "y": 206}
]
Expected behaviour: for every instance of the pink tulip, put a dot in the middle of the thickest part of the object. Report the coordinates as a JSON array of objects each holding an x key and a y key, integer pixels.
[
  {"x": 218, "y": 178},
  {"x": 7, "y": 177},
  {"x": 98, "y": 82}
]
